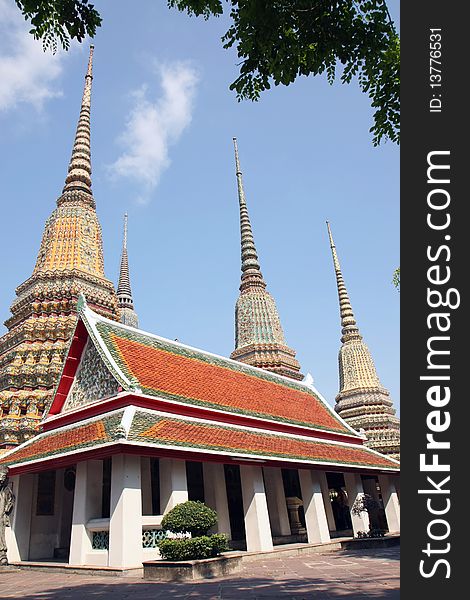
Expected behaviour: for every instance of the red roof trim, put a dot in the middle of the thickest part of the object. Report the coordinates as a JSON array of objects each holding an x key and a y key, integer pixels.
[
  {"x": 119, "y": 448},
  {"x": 185, "y": 410},
  {"x": 72, "y": 361}
]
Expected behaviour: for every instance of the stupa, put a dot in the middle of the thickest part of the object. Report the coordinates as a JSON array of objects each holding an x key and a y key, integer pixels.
[
  {"x": 362, "y": 400},
  {"x": 259, "y": 338},
  {"x": 44, "y": 312}
]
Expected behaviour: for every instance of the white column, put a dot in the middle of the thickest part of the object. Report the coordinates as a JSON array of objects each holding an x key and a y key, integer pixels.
[
  {"x": 18, "y": 534},
  {"x": 391, "y": 502},
  {"x": 146, "y": 485},
  {"x": 173, "y": 483},
  {"x": 354, "y": 490},
  {"x": 86, "y": 505},
  {"x": 215, "y": 495},
  {"x": 257, "y": 527},
  {"x": 125, "y": 526},
  {"x": 325, "y": 490},
  {"x": 276, "y": 499},
  {"x": 314, "y": 509}
]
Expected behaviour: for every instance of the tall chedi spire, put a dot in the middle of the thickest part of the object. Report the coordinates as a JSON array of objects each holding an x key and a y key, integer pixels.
[
  {"x": 128, "y": 315},
  {"x": 362, "y": 401},
  {"x": 79, "y": 174},
  {"x": 259, "y": 339},
  {"x": 69, "y": 262}
]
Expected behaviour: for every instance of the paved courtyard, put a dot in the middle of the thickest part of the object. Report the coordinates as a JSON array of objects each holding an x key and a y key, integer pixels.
[{"x": 349, "y": 575}]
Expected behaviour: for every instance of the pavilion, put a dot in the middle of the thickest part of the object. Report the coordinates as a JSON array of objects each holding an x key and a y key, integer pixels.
[{"x": 139, "y": 423}]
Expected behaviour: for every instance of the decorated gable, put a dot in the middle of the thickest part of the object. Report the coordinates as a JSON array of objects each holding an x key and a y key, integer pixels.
[{"x": 93, "y": 380}]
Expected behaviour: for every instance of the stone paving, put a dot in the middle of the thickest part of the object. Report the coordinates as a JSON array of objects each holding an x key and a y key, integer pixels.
[{"x": 348, "y": 575}]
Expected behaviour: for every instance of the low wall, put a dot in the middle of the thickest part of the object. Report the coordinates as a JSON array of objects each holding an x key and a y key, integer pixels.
[{"x": 163, "y": 570}]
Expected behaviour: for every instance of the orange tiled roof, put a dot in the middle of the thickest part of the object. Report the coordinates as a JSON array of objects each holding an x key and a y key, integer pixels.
[
  {"x": 162, "y": 431},
  {"x": 214, "y": 437},
  {"x": 193, "y": 377},
  {"x": 79, "y": 437}
]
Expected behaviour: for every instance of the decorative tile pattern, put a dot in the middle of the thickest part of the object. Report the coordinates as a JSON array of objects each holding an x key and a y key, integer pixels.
[
  {"x": 151, "y": 537},
  {"x": 93, "y": 380},
  {"x": 100, "y": 540}
]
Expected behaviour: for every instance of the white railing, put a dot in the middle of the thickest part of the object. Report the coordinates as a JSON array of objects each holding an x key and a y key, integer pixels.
[{"x": 152, "y": 532}]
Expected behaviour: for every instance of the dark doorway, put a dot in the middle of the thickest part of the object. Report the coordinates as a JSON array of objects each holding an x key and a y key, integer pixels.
[
  {"x": 291, "y": 481},
  {"x": 195, "y": 479},
  {"x": 235, "y": 502},
  {"x": 68, "y": 481},
  {"x": 339, "y": 501}
]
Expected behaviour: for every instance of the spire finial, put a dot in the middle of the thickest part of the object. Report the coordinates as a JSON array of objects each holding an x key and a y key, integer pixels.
[
  {"x": 124, "y": 292},
  {"x": 350, "y": 329},
  {"x": 124, "y": 241},
  {"x": 237, "y": 160},
  {"x": 251, "y": 270},
  {"x": 79, "y": 173},
  {"x": 89, "y": 72}
]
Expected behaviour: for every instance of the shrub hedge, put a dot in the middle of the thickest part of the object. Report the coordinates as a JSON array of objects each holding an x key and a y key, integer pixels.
[{"x": 206, "y": 546}]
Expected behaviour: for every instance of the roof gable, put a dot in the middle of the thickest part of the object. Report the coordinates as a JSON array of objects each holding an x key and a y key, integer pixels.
[{"x": 93, "y": 380}]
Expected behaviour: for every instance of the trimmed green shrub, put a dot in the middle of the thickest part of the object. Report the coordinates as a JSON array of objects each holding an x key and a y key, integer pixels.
[
  {"x": 219, "y": 543},
  {"x": 192, "y": 517},
  {"x": 193, "y": 548}
]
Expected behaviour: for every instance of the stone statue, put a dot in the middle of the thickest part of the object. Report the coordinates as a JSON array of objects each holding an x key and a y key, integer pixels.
[{"x": 7, "y": 500}]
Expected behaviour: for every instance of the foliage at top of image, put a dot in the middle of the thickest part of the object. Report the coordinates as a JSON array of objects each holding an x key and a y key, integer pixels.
[
  {"x": 192, "y": 517},
  {"x": 277, "y": 41},
  {"x": 58, "y": 21}
]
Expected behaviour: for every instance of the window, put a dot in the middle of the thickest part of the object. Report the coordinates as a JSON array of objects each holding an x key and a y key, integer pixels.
[
  {"x": 106, "y": 493},
  {"x": 155, "y": 485}
]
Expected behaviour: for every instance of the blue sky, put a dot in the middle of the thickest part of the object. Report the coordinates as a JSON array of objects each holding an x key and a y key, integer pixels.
[{"x": 163, "y": 119}]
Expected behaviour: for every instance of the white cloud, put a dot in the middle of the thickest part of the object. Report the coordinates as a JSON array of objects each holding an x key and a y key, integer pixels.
[
  {"x": 27, "y": 74},
  {"x": 153, "y": 125}
]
